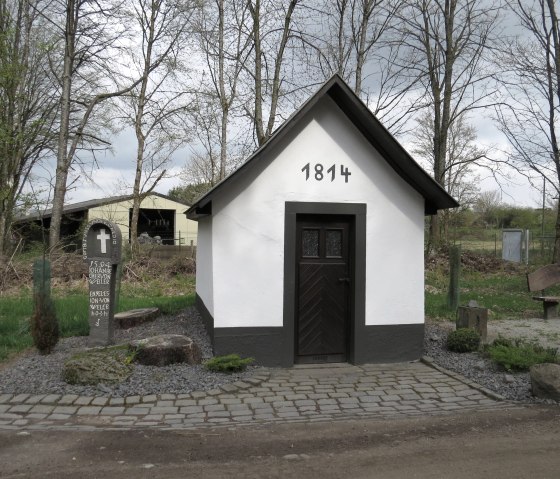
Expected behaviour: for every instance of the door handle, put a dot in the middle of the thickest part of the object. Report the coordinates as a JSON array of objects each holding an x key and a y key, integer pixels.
[{"x": 344, "y": 280}]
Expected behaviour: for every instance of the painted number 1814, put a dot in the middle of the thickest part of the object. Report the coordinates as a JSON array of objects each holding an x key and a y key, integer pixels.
[{"x": 319, "y": 172}]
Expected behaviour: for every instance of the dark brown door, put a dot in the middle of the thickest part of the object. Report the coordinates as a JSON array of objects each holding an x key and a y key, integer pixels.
[{"x": 323, "y": 288}]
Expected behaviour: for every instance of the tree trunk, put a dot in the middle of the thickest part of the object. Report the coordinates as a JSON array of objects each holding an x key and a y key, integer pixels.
[{"x": 62, "y": 159}]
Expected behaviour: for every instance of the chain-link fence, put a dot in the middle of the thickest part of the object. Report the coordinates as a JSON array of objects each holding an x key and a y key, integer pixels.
[{"x": 540, "y": 247}]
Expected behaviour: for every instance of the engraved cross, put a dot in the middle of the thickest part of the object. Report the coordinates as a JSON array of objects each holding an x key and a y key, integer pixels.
[{"x": 103, "y": 237}]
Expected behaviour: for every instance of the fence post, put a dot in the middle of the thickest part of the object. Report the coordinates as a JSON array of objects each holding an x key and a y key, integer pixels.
[{"x": 454, "y": 272}]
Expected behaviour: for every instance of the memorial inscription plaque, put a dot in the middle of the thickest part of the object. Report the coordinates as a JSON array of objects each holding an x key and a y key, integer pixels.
[{"x": 102, "y": 245}]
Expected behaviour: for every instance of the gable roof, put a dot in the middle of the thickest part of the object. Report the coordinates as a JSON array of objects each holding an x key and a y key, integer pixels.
[
  {"x": 89, "y": 204},
  {"x": 436, "y": 198}
]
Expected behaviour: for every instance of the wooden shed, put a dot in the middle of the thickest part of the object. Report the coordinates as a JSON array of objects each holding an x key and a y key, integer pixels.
[{"x": 313, "y": 250}]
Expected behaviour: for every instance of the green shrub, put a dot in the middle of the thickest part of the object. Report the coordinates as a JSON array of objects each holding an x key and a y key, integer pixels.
[
  {"x": 463, "y": 340},
  {"x": 520, "y": 355},
  {"x": 229, "y": 363},
  {"x": 44, "y": 324}
]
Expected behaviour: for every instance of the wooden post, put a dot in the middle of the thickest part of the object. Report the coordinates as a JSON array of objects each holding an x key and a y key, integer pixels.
[{"x": 454, "y": 273}]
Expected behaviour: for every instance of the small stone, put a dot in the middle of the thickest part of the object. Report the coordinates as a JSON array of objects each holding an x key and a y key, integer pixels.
[
  {"x": 480, "y": 366},
  {"x": 508, "y": 378},
  {"x": 107, "y": 365},
  {"x": 166, "y": 349},
  {"x": 134, "y": 317}
]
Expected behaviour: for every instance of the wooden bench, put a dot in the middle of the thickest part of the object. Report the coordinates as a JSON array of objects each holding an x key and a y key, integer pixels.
[{"x": 541, "y": 279}]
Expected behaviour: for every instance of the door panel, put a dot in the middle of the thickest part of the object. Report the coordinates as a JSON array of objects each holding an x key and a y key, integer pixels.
[{"x": 323, "y": 288}]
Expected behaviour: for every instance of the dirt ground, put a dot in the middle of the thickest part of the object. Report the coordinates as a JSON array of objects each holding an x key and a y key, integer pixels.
[{"x": 516, "y": 443}]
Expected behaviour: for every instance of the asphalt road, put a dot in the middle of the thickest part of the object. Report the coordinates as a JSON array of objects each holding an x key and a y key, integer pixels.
[{"x": 516, "y": 443}]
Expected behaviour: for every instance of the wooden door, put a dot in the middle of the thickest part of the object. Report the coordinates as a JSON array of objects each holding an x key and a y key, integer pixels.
[{"x": 324, "y": 284}]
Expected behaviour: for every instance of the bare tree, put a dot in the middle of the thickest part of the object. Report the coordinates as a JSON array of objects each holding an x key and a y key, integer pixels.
[
  {"x": 225, "y": 48},
  {"x": 156, "y": 105},
  {"x": 447, "y": 42},
  {"x": 87, "y": 65},
  {"x": 354, "y": 32},
  {"x": 27, "y": 104},
  {"x": 270, "y": 33},
  {"x": 528, "y": 114},
  {"x": 465, "y": 160}
]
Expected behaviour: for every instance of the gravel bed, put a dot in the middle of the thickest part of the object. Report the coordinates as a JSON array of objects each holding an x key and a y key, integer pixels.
[
  {"x": 35, "y": 374},
  {"x": 514, "y": 386}
]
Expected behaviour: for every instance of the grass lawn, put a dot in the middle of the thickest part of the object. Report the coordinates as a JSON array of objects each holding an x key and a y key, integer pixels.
[
  {"x": 72, "y": 309},
  {"x": 505, "y": 294}
]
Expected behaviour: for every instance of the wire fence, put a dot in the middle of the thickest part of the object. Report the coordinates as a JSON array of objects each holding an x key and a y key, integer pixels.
[{"x": 540, "y": 248}]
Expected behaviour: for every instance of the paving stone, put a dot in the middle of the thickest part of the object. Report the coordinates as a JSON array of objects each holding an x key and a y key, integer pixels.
[
  {"x": 280, "y": 404},
  {"x": 100, "y": 401},
  {"x": 116, "y": 402},
  {"x": 67, "y": 399},
  {"x": 214, "y": 407},
  {"x": 164, "y": 410},
  {"x": 132, "y": 399},
  {"x": 295, "y": 397},
  {"x": 329, "y": 407},
  {"x": 135, "y": 411},
  {"x": 190, "y": 409},
  {"x": 4, "y": 398},
  {"x": 167, "y": 397},
  {"x": 198, "y": 394},
  {"x": 83, "y": 401},
  {"x": 229, "y": 388},
  {"x": 218, "y": 420},
  {"x": 185, "y": 402},
  {"x": 36, "y": 416},
  {"x": 153, "y": 417},
  {"x": 88, "y": 410},
  {"x": 112, "y": 411},
  {"x": 253, "y": 400},
  {"x": 166, "y": 403},
  {"x": 207, "y": 401},
  {"x": 34, "y": 399},
  {"x": 65, "y": 410},
  {"x": 218, "y": 414},
  {"x": 19, "y": 398},
  {"x": 59, "y": 417},
  {"x": 261, "y": 406},
  {"x": 20, "y": 408},
  {"x": 214, "y": 392},
  {"x": 241, "y": 412},
  {"x": 149, "y": 398}
]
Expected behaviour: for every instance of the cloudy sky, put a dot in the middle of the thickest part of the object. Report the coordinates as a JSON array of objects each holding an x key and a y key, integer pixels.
[{"x": 115, "y": 171}]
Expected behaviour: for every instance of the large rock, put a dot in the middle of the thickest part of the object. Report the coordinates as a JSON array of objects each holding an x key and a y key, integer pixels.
[
  {"x": 134, "y": 317},
  {"x": 545, "y": 381},
  {"x": 108, "y": 365},
  {"x": 166, "y": 349}
]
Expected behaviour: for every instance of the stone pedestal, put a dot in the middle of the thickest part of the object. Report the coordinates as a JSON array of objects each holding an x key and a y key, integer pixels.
[
  {"x": 102, "y": 245},
  {"x": 473, "y": 317}
]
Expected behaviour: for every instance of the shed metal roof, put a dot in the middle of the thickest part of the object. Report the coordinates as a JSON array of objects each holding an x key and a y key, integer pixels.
[
  {"x": 436, "y": 198},
  {"x": 89, "y": 204}
]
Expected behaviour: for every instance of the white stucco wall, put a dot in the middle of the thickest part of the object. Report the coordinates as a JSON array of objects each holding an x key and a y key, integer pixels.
[
  {"x": 118, "y": 213},
  {"x": 248, "y": 225},
  {"x": 204, "y": 285}
]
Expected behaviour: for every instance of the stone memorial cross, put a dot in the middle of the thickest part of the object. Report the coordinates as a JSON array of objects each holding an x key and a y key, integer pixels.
[{"x": 102, "y": 245}]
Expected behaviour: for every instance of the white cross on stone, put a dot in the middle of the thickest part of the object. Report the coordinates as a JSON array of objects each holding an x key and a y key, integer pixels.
[{"x": 103, "y": 237}]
